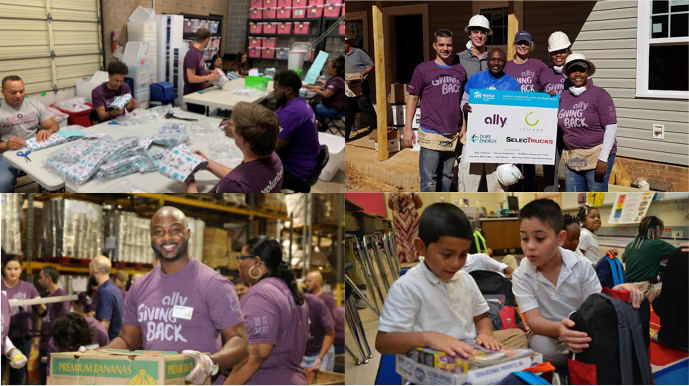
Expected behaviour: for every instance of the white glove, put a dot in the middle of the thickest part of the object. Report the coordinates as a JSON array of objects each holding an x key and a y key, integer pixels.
[
  {"x": 203, "y": 369},
  {"x": 17, "y": 359}
]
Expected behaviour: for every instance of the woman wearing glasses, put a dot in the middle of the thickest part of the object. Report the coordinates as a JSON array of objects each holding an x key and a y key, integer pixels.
[{"x": 276, "y": 317}]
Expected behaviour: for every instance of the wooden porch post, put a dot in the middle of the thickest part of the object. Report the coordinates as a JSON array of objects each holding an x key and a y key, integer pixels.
[
  {"x": 381, "y": 93},
  {"x": 515, "y": 10}
]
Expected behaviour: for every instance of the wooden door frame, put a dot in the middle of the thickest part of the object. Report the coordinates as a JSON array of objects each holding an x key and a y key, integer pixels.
[
  {"x": 363, "y": 16},
  {"x": 389, "y": 12}
]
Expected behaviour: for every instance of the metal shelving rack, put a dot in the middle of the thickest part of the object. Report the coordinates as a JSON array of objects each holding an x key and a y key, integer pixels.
[
  {"x": 192, "y": 35},
  {"x": 319, "y": 28}
]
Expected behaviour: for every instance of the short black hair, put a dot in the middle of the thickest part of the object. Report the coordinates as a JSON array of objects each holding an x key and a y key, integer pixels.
[
  {"x": 71, "y": 331},
  {"x": 442, "y": 33},
  {"x": 546, "y": 210},
  {"x": 13, "y": 78},
  {"x": 568, "y": 219},
  {"x": 117, "y": 67},
  {"x": 443, "y": 219},
  {"x": 52, "y": 272},
  {"x": 289, "y": 78}
]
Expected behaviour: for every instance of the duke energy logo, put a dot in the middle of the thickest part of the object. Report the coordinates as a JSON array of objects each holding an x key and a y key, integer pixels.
[{"x": 483, "y": 138}]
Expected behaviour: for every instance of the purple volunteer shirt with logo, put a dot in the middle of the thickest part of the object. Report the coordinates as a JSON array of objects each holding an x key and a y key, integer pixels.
[
  {"x": 527, "y": 74},
  {"x": 583, "y": 118}
]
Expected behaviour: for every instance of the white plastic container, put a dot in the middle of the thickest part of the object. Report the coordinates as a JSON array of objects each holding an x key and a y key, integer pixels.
[
  {"x": 296, "y": 56},
  {"x": 85, "y": 87},
  {"x": 135, "y": 51},
  {"x": 142, "y": 14},
  {"x": 336, "y": 148}
]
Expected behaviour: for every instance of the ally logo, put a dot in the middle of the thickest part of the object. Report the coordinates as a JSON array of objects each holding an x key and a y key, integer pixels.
[{"x": 526, "y": 119}]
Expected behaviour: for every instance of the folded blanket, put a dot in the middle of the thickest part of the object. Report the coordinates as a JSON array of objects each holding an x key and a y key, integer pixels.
[
  {"x": 170, "y": 139},
  {"x": 181, "y": 163},
  {"x": 54, "y": 139},
  {"x": 73, "y": 151}
]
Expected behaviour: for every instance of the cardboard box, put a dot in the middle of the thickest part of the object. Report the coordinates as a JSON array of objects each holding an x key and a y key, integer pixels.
[
  {"x": 397, "y": 116},
  {"x": 119, "y": 367},
  {"x": 215, "y": 242},
  {"x": 393, "y": 133},
  {"x": 398, "y": 93},
  {"x": 393, "y": 145}
]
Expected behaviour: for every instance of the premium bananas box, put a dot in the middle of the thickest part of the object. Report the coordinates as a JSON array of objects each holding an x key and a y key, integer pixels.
[{"x": 119, "y": 367}]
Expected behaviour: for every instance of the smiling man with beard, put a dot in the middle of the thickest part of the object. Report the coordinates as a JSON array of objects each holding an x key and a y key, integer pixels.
[{"x": 183, "y": 305}]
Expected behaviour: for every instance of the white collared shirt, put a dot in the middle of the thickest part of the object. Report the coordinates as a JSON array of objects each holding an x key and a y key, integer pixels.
[
  {"x": 420, "y": 301},
  {"x": 483, "y": 262},
  {"x": 588, "y": 243},
  {"x": 576, "y": 282}
]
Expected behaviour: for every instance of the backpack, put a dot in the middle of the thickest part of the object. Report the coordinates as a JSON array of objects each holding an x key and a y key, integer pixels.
[
  {"x": 497, "y": 290},
  {"x": 610, "y": 271},
  {"x": 674, "y": 319},
  {"x": 618, "y": 351}
]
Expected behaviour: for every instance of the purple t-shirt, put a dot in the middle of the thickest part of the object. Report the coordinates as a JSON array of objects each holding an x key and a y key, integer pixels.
[
  {"x": 193, "y": 60},
  {"x": 263, "y": 175},
  {"x": 124, "y": 293},
  {"x": 55, "y": 310},
  {"x": 552, "y": 81},
  {"x": 335, "y": 84},
  {"x": 339, "y": 317},
  {"x": 440, "y": 89},
  {"x": 298, "y": 126},
  {"x": 583, "y": 118},
  {"x": 20, "y": 317},
  {"x": 209, "y": 296},
  {"x": 272, "y": 317},
  {"x": 320, "y": 323},
  {"x": 5, "y": 322},
  {"x": 527, "y": 74},
  {"x": 98, "y": 336},
  {"x": 103, "y": 96}
]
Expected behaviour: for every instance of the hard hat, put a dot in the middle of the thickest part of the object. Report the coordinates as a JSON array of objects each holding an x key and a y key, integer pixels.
[
  {"x": 478, "y": 21},
  {"x": 508, "y": 174},
  {"x": 558, "y": 40},
  {"x": 577, "y": 57}
]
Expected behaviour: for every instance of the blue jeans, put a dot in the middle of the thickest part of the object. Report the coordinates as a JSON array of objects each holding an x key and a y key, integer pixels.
[
  {"x": 8, "y": 176},
  {"x": 436, "y": 166},
  {"x": 324, "y": 111},
  {"x": 586, "y": 181}
]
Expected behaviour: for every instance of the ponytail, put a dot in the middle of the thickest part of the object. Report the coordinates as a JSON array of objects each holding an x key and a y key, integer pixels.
[
  {"x": 270, "y": 252},
  {"x": 583, "y": 212}
]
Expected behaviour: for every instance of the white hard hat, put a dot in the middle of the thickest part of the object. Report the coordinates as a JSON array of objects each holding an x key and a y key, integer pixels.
[
  {"x": 577, "y": 57},
  {"x": 558, "y": 40},
  {"x": 508, "y": 174},
  {"x": 478, "y": 21}
]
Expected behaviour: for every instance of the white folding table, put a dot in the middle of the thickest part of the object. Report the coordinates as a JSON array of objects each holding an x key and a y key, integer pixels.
[{"x": 225, "y": 98}]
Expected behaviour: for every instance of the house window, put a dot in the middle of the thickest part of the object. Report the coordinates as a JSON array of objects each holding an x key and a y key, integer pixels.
[
  {"x": 662, "y": 36},
  {"x": 498, "y": 23}
]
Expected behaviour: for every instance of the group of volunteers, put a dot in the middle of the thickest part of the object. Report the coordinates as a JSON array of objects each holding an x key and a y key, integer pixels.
[
  {"x": 280, "y": 149},
  {"x": 264, "y": 330},
  {"x": 438, "y": 304},
  {"x": 587, "y": 120}
]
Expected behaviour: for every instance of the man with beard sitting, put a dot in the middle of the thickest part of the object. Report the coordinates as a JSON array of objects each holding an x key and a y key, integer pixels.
[
  {"x": 182, "y": 305},
  {"x": 298, "y": 144}
]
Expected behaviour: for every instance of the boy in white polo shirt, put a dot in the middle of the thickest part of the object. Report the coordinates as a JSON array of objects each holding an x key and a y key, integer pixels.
[
  {"x": 552, "y": 282},
  {"x": 435, "y": 304}
]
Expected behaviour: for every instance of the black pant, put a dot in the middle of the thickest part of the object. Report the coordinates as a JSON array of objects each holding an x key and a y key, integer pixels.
[
  {"x": 550, "y": 171},
  {"x": 292, "y": 182},
  {"x": 199, "y": 109},
  {"x": 361, "y": 104}
]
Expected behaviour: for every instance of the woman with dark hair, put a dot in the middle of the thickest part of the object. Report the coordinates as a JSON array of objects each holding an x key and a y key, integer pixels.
[
  {"x": 21, "y": 317},
  {"x": 240, "y": 66},
  {"x": 216, "y": 62},
  {"x": 276, "y": 318},
  {"x": 332, "y": 92}
]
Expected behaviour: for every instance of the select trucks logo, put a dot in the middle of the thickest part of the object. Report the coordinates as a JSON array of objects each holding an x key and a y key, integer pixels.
[
  {"x": 529, "y": 140},
  {"x": 483, "y": 138}
]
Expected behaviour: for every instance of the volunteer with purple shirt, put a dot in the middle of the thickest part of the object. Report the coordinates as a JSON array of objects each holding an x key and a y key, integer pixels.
[
  {"x": 527, "y": 72},
  {"x": 320, "y": 352},
  {"x": 332, "y": 92},
  {"x": 588, "y": 120},
  {"x": 440, "y": 85},
  {"x": 277, "y": 318},
  {"x": 103, "y": 95},
  {"x": 72, "y": 331},
  {"x": 183, "y": 305},
  {"x": 298, "y": 145},
  {"x": 47, "y": 279},
  {"x": 195, "y": 78},
  {"x": 314, "y": 285},
  {"x": 20, "y": 317},
  {"x": 255, "y": 132}
]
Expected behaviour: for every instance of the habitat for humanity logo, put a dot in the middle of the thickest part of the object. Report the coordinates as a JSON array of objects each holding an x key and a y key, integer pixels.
[
  {"x": 483, "y": 97},
  {"x": 483, "y": 138}
]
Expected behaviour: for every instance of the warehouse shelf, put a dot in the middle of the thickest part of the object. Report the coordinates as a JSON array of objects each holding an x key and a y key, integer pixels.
[{"x": 38, "y": 265}]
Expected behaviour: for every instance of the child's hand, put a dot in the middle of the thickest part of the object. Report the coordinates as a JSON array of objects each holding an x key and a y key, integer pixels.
[
  {"x": 489, "y": 342},
  {"x": 450, "y": 345},
  {"x": 577, "y": 341},
  {"x": 635, "y": 294}
]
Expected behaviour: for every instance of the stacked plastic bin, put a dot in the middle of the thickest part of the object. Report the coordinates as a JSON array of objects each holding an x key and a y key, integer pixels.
[
  {"x": 170, "y": 34},
  {"x": 136, "y": 57},
  {"x": 146, "y": 31}
]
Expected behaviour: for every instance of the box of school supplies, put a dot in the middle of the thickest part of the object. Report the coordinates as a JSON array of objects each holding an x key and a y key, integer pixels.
[{"x": 424, "y": 366}]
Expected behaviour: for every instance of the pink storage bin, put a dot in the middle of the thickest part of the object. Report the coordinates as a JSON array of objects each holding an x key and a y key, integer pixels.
[
  {"x": 313, "y": 55},
  {"x": 335, "y": 1},
  {"x": 256, "y": 13},
  {"x": 268, "y": 53},
  {"x": 256, "y": 4},
  {"x": 314, "y": 11},
  {"x": 269, "y": 13},
  {"x": 332, "y": 10},
  {"x": 255, "y": 28},
  {"x": 269, "y": 28},
  {"x": 284, "y": 13},
  {"x": 255, "y": 42},
  {"x": 254, "y": 52},
  {"x": 284, "y": 28},
  {"x": 302, "y": 28},
  {"x": 342, "y": 28},
  {"x": 270, "y": 42},
  {"x": 317, "y": 2},
  {"x": 300, "y": 3},
  {"x": 298, "y": 12},
  {"x": 270, "y": 3},
  {"x": 285, "y": 3}
]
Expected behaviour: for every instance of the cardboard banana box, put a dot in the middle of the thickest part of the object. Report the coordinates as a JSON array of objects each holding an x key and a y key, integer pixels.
[{"x": 119, "y": 367}]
